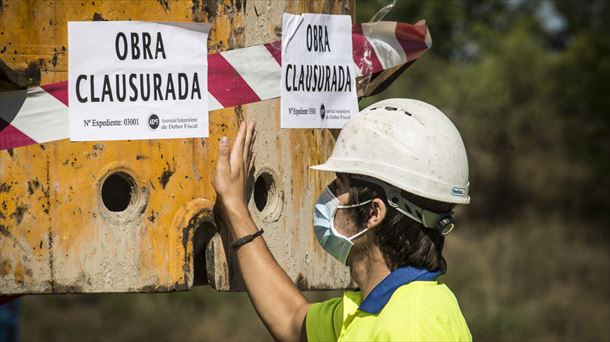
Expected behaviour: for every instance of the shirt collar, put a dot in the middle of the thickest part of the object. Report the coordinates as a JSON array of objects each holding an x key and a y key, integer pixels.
[{"x": 381, "y": 294}]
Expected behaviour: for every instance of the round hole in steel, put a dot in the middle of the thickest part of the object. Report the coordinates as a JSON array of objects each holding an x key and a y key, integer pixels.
[
  {"x": 118, "y": 191},
  {"x": 262, "y": 187}
]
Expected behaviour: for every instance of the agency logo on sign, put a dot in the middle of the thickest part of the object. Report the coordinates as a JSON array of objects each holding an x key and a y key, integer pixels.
[
  {"x": 322, "y": 111},
  {"x": 153, "y": 121}
]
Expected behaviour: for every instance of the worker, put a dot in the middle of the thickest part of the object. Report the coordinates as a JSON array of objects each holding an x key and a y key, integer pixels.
[{"x": 401, "y": 168}]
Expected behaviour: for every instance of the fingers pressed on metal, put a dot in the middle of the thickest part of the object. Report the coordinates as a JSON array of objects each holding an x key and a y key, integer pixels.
[
  {"x": 238, "y": 145},
  {"x": 250, "y": 131},
  {"x": 253, "y": 140},
  {"x": 251, "y": 147},
  {"x": 223, "y": 155},
  {"x": 251, "y": 164}
]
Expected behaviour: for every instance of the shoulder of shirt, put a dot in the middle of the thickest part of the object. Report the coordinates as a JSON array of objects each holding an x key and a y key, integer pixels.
[
  {"x": 420, "y": 307},
  {"x": 422, "y": 293}
]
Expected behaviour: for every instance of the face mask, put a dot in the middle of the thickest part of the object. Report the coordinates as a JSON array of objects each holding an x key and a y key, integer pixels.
[{"x": 333, "y": 242}]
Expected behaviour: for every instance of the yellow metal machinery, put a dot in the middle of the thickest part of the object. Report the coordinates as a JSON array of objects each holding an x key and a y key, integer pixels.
[{"x": 137, "y": 216}]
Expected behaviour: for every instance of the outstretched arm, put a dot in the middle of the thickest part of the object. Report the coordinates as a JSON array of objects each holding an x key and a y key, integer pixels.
[{"x": 280, "y": 305}]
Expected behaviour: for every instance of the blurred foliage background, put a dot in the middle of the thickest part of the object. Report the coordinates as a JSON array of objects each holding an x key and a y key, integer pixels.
[{"x": 527, "y": 84}]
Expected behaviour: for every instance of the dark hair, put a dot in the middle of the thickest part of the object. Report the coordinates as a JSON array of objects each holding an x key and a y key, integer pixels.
[{"x": 403, "y": 241}]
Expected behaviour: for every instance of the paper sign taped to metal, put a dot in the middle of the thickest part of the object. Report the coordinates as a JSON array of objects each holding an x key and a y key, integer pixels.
[
  {"x": 318, "y": 82},
  {"x": 137, "y": 80}
]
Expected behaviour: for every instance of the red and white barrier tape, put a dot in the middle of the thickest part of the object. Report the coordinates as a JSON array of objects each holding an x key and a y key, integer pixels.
[{"x": 236, "y": 77}]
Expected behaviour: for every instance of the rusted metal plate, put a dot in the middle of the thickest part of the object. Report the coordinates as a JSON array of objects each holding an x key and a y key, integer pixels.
[
  {"x": 57, "y": 233},
  {"x": 287, "y": 189}
]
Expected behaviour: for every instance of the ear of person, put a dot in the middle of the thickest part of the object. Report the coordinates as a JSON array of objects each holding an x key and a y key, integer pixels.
[{"x": 378, "y": 211}]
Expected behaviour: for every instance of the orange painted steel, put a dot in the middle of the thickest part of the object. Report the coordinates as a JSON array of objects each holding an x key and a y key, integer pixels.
[{"x": 57, "y": 234}]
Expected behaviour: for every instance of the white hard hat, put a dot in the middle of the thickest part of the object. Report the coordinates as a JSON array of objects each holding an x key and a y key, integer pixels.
[{"x": 407, "y": 143}]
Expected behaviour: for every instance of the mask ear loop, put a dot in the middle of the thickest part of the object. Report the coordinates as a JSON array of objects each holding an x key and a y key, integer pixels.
[
  {"x": 349, "y": 206},
  {"x": 332, "y": 222}
]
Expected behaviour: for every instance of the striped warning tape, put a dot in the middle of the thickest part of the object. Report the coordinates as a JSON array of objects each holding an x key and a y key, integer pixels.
[{"x": 236, "y": 77}]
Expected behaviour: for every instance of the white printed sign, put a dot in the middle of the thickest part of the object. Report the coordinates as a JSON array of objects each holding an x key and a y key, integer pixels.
[
  {"x": 318, "y": 86},
  {"x": 137, "y": 80}
]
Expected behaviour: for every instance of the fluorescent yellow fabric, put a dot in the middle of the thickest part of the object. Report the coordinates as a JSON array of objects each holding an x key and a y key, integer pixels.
[{"x": 418, "y": 311}]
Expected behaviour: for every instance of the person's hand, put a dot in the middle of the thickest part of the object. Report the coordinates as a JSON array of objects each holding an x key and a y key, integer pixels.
[{"x": 234, "y": 167}]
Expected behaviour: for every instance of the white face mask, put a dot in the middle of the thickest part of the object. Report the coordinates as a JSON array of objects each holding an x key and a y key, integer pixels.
[{"x": 333, "y": 242}]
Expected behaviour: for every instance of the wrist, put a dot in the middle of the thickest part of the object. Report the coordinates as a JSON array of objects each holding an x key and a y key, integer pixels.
[
  {"x": 237, "y": 217},
  {"x": 236, "y": 210}
]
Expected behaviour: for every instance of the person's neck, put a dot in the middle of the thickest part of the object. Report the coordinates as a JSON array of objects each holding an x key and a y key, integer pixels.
[{"x": 369, "y": 269}]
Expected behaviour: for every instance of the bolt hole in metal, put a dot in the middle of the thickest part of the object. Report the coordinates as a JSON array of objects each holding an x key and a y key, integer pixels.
[
  {"x": 118, "y": 191},
  {"x": 262, "y": 187},
  {"x": 268, "y": 196}
]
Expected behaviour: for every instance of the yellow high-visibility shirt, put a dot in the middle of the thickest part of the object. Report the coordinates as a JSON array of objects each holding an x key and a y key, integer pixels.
[{"x": 416, "y": 311}]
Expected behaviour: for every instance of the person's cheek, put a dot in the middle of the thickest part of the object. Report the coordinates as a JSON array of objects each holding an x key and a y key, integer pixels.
[{"x": 342, "y": 223}]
